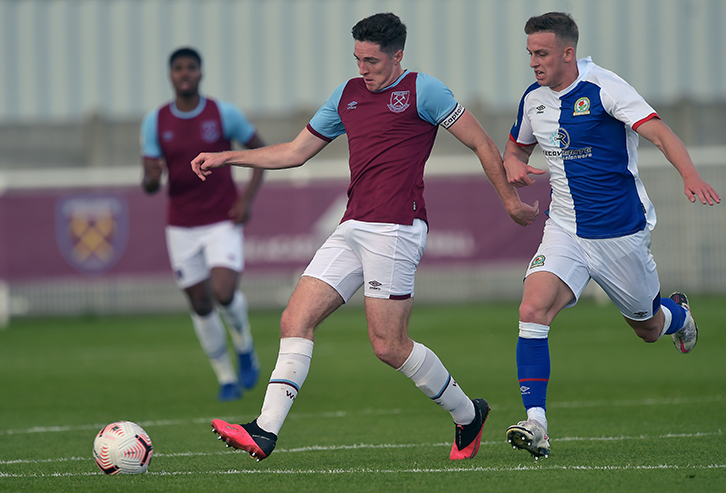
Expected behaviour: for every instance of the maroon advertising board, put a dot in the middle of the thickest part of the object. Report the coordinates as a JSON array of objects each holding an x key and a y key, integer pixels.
[{"x": 119, "y": 231}]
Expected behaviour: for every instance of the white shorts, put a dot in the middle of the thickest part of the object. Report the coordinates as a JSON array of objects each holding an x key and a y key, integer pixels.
[
  {"x": 194, "y": 251},
  {"x": 382, "y": 256},
  {"x": 624, "y": 267}
]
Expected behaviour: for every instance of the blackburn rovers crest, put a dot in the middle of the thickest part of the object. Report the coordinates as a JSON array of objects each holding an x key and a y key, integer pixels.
[
  {"x": 92, "y": 230},
  {"x": 582, "y": 107},
  {"x": 399, "y": 101}
]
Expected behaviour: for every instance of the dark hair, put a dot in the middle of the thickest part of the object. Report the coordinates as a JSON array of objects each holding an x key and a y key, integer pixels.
[
  {"x": 185, "y": 53},
  {"x": 385, "y": 30},
  {"x": 561, "y": 24}
]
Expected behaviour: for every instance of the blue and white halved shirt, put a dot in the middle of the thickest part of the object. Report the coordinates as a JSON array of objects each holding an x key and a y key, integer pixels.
[{"x": 587, "y": 134}]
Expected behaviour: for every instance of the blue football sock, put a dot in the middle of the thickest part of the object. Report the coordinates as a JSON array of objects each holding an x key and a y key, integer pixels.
[
  {"x": 533, "y": 370},
  {"x": 678, "y": 312}
]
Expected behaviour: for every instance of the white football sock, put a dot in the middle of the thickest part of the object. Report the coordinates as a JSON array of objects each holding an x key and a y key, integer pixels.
[
  {"x": 291, "y": 369},
  {"x": 537, "y": 414},
  {"x": 213, "y": 338},
  {"x": 430, "y": 375},
  {"x": 668, "y": 318},
  {"x": 235, "y": 314}
]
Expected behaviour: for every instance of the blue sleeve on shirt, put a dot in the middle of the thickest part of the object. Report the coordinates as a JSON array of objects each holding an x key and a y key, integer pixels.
[
  {"x": 517, "y": 126},
  {"x": 234, "y": 124},
  {"x": 434, "y": 100},
  {"x": 327, "y": 121},
  {"x": 150, "y": 146}
]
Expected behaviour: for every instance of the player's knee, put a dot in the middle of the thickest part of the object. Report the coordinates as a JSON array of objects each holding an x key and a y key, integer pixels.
[
  {"x": 224, "y": 298},
  {"x": 384, "y": 353},
  {"x": 286, "y": 323},
  {"x": 390, "y": 354},
  {"x": 202, "y": 307},
  {"x": 648, "y": 335},
  {"x": 528, "y": 312},
  {"x": 648, "y": 339},
  {"x": 223, "y": 294},
  {"x": 200, "y": 299},
  {"x": 648, "y": 330},
  {"x": 291, "y": 325}
]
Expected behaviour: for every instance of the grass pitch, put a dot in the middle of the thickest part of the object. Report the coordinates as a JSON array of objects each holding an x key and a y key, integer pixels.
[{"x": 623, "y": 415}]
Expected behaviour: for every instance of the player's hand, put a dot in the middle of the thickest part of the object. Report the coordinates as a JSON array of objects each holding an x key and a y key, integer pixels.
[
  {"x": 697, "y": 187},
  {"x": 518, "y": 172},
  {"x": 240, "y": 211},
  {"x": 153, "y": 169},
  {"x": 526, "y": 214},
  {"x": 203, "y": 164}
]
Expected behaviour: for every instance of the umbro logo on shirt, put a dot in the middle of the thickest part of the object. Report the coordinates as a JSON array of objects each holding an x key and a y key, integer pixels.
[
  {"x": 352, "y": 105},
  {"x": 540, "y": 109}
]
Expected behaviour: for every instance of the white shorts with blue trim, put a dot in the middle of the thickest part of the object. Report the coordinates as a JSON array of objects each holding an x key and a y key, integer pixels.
[{"x": 624, "y": 267}]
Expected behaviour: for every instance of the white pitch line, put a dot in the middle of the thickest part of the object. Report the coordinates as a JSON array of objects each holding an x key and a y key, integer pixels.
[
  {"x": 373, "y": 412},
  {"x": 518, "y": 468},
  {"x": 367, "y": 446},
  {"x": 639, "y": 402}
]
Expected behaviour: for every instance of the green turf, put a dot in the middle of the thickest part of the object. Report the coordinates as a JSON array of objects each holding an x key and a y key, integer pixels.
[{"x": 623, "y": 415}]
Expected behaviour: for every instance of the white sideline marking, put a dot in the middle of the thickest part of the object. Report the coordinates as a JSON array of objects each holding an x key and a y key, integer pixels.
[
  {"x": 364, "y": 470},
  {"x": 374, "y": 412},
  {"x": 642, "y": 402},
  {"x": 184, "y": 422},
  {"x": 361, "y": 446}
]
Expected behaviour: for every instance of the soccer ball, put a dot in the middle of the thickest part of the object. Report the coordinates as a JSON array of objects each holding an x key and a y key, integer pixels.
[{"x": 122, "y": 447}]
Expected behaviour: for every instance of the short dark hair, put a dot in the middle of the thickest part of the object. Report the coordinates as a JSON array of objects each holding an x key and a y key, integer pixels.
[
  {"x": 185, "y": 52},
  {"x": 560, "y": 23},
  {"x": 384, "y": 29}
]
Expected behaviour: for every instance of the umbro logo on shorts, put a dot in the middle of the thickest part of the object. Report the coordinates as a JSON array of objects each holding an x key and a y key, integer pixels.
[{"x": 375, "y": 285}]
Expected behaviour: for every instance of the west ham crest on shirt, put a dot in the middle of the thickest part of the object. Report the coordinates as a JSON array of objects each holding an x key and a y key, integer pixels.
[
  {"x": 399, "y": 101},
  {"x": 210, "y": 131}
]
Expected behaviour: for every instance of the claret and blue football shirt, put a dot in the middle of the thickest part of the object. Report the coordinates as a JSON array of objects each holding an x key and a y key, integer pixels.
[
  {"x": 178, "y": 136},
  {"x": 390, "y": 136}
]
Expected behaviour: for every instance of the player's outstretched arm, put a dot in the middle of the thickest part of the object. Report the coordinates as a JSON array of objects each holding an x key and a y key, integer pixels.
[
  {"x": 675, "y": 151},
  {"x": 278, "y": 156},
  {"x": 468, "y": 130}
]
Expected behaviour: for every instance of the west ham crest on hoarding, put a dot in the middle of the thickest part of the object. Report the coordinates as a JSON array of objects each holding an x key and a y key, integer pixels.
[{"x": 92, "y": 230}]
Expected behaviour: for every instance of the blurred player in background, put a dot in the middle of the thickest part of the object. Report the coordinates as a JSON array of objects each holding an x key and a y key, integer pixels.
[
  {"x": 587, "y": 121},
  {"x": 391, "y": 117},
  {"x": 204, "y": 232}
]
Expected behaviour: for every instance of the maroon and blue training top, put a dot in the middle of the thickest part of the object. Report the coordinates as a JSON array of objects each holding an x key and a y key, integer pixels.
[{"x": 390, "y": 136}]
